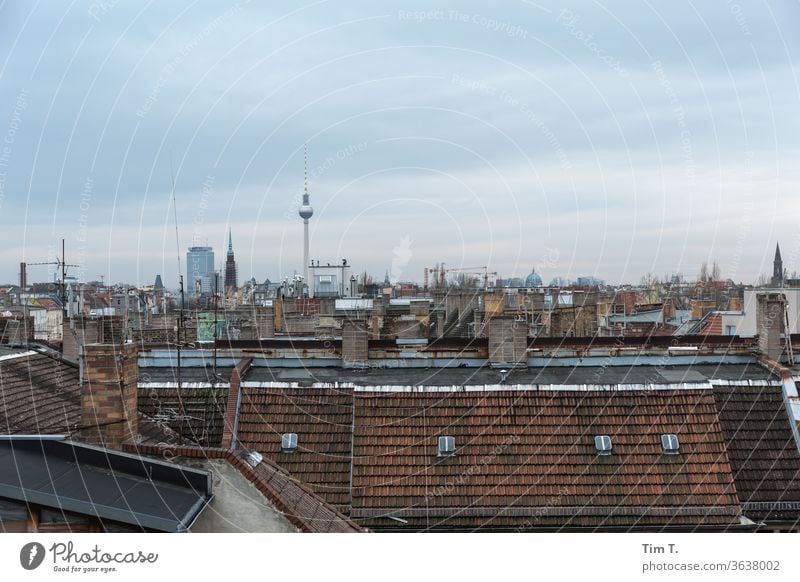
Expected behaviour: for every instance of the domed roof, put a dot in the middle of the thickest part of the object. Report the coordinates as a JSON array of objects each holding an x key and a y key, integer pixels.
[{"x": 533, "y": 280}]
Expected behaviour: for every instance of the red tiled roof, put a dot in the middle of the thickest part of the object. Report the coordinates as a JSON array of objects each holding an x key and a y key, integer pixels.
[
  {"x": 323, "y": 420},
  {"x": 524, "y": 458},
  {"x": 530, "y": 457}
]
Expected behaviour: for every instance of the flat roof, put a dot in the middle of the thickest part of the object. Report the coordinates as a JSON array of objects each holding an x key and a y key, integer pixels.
[
  {"x": 560, "y": 375},
  {"x": 189, "y": 374},
  {"x": 102, "y": 483}
]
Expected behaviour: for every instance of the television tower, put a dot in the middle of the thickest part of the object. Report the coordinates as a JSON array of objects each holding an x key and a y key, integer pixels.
[{"x": 306, "y": 212}]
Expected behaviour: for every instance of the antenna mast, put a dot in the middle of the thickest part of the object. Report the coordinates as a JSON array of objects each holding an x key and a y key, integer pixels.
[{"x": 180, "y": 280}]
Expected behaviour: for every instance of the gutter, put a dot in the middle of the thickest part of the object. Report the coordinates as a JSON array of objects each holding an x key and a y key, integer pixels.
[{"x": 203, "y": 502}]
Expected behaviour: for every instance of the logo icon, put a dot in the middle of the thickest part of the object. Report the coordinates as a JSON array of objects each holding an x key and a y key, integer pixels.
[{"x": 31, "y": 555}]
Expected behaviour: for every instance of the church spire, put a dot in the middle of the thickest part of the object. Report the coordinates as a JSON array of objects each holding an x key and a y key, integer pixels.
[
  {"x": 777, "y": 268},
  {"x": 231, "y": 277}
]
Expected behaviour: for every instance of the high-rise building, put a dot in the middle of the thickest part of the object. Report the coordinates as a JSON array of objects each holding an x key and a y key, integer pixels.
[
  {"x": 200, "y": 271},
  {"x": 231, "y": 281}
]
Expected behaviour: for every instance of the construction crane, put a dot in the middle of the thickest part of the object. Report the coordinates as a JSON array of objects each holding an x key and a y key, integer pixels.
[
  {"x": 442, "y": 270},
  {"x": 476, "y": 271}
]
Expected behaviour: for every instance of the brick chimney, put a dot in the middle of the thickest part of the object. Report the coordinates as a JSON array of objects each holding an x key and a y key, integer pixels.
[
  {"x": 265, "y": 321},
  {"x": 508, "y": 341},
  {"x": 230, "y": 429},
  {"x": 355, "y": 343},
  {"x": 109, "y": 400},
  {"x": 668, "y": 309},
  {"x": 770, "y": 314}
]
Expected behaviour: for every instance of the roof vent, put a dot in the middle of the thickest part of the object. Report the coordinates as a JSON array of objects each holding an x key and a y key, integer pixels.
[
  {"x": 447, "y": 446},
  {"x": 289, "y": 442},
  {"x": 603, "y": 444},
  {"x": 670, "y": 444},
  {"x": 253, "y": 458}
]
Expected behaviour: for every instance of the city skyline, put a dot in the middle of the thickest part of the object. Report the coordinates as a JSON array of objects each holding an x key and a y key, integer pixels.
[
  {"x": 623, "y": 143},
  {"x": 226, "y": 271}
]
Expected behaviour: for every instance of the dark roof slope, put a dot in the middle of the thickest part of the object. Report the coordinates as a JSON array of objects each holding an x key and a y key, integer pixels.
[
  {"x": 197, "y": 414},
  {"x": 101, "y": 483},
  {"x": 762, "y": 450},
  {"x": 40, "y": 394}
]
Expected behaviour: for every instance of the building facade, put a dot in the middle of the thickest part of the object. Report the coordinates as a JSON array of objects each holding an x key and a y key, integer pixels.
[{"x": 200, "y": 270}]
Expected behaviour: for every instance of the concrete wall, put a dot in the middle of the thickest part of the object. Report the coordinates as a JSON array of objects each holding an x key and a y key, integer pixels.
[
  {"x": 300, "y": 324},
  {"x": 747, "y": 325},
  {"x": 770, "y": 315},
  {"x": 237, "y": 505},
  {"x": 80, "y": 331}
]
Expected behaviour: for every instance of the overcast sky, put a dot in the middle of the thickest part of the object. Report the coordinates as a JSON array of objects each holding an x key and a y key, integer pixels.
[{"x": 583, "y": 138}]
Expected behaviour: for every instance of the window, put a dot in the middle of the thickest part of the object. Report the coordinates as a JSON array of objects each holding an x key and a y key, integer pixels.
[
  {"x": 57, "y": 516},
  {"x": 447, "y": 446},
  {"x": 670, "y": 444},
  {"x": 289, "y": 442},
  {"x": 603, "y": 444},
  {"x": 730, "y": 330},
  {"x": 12, "y": 511}
]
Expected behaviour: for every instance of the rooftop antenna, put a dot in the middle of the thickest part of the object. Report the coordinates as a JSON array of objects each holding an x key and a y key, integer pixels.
[
  {"x": 180, "y": 281},
  {"x": 216, "y": 303},
  {"x": 61, "y": 265}
]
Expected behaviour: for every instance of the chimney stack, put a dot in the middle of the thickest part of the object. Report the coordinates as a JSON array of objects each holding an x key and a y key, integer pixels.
[
  {"x": 770, "y": 317},
  {"x": 355, "y": 343},
  {"x": 668, "y": 309},
  {"x": 109, "y": 400},
  {"x": 508, "y": 342},
  {"x": 264, "y": 321},
  {"x": 735, "y": 304}
]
